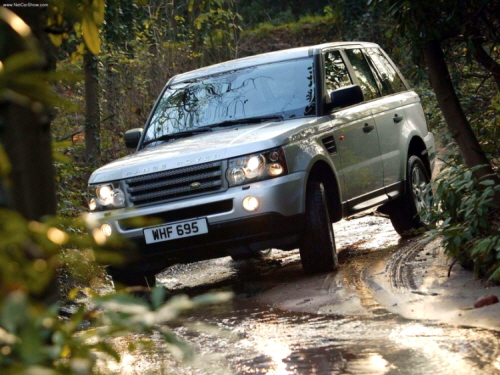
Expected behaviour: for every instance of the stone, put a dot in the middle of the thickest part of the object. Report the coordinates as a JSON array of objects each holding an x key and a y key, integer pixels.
[{"x": 486, "y": 300}]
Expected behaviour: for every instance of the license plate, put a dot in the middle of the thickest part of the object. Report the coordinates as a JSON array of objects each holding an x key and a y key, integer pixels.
[{"x": 174, "y": 231}]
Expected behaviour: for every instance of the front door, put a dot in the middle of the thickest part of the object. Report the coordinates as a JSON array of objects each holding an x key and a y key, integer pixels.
[
  {"x": 355, "y": 135},
  {"x": 358, "y": 146}
]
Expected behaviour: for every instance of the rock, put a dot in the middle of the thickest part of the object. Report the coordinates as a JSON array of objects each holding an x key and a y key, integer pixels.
[{"x": 486, "y": 300}]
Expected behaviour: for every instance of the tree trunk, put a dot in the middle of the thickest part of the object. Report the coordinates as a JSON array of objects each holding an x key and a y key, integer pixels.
[
  {"x": 92, "y": 110},
  {"x": 487, "y": 62},
  {"x": 453, "y": 113},
  {"x": 25, "y": 134}
]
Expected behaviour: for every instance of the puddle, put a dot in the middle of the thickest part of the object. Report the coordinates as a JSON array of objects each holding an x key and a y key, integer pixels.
[
  {"x": 277, "y": 342},
  {"x": 272, "y": 329}
]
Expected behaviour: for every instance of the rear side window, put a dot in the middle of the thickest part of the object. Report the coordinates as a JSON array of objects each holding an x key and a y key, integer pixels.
[
  {"x": 336, "y": 73},
  {"x": 363, "y": 74},
  {"x": 391, "y": 82}
]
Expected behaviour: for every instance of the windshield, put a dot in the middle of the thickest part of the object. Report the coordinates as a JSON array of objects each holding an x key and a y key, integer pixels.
[{"x": 284, "y": 89}]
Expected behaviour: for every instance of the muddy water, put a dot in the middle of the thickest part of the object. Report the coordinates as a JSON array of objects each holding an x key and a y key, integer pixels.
[
  {"x": 278, "y": 342},
  {"x": 282, "y": 322}
]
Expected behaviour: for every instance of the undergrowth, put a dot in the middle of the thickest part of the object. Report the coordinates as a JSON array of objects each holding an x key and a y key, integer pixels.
[{"x": 463, "y": 212}]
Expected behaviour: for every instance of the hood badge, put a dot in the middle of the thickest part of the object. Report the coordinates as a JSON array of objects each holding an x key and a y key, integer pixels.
[{"x": 195, "y": 185}]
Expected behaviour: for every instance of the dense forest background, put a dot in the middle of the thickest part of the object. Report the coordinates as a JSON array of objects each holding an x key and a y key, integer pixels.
[
  {"x": 449, "y": 52},
  {"x": 90, "y": 70}
]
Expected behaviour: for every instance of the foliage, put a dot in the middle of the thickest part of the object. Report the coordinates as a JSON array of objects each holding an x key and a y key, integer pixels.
[
  {"x": 85, "y": 17},
  {"x": 34, "y": 338},
  {"x": 464, "y": 212},
  {"x": 465, "y": 215}
]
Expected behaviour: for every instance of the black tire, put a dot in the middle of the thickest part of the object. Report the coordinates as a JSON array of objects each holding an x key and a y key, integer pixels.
[
  {"x": 129, "y": 277},
  {"x": 252, "y": 255},
  {"x": 317, "y": 244},
  {"x": 404, "y": 212}
]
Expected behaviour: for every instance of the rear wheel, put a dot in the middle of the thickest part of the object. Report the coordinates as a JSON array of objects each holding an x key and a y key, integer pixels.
[
  {"x": 404, "y": 212},
  {"x": 317, "y": 245}
]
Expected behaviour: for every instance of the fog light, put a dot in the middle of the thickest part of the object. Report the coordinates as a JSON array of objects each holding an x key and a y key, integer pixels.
[
  {"x": 275, "y": 169},
  {"x": 92, "y": 204},
  {"x": 250, "y": 203},
  {"x": 106, "y": 229}
]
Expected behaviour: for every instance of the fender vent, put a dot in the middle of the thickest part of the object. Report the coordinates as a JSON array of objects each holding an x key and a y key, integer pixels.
[{"x": 330, "y": 145}]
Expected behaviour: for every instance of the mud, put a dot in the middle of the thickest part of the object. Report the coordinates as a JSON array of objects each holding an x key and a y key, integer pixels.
[{"x": 345, "y": 322}]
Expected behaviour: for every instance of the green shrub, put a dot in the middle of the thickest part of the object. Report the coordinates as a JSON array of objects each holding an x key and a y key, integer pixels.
[
  {"x": 35, "y": 339},
  {"x": 466, "y": 217}
]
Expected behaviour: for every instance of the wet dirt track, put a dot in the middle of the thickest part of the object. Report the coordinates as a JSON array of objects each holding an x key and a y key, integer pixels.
[{"x": 282, "y": 322}]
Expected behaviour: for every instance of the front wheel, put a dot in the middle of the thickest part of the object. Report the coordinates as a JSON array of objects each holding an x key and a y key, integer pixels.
[
  {"x": 317, "y": 246},
  {"x": 405, "y": 211}
]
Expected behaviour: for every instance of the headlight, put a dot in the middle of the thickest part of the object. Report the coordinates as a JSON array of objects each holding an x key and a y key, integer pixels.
[
  {"x": 106, "y": 196},
  {"x": 256, "y": 167}
]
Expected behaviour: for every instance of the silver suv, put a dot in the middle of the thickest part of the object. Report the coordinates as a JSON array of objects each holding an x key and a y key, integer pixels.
[{"x": 266, "y": 152}]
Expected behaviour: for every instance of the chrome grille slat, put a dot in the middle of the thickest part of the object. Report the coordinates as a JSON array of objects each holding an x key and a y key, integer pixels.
[
  {"x": 173, "y": 172},
  {"x": 175, "y": 183},
  {"x": 176, "y": 191}
]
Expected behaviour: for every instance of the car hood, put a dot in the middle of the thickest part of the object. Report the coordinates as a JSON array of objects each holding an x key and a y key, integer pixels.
[{"x": 202, "y": 148}]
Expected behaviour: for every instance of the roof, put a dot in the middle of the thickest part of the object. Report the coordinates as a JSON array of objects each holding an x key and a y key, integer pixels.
[{"x": 265, "y": 58}]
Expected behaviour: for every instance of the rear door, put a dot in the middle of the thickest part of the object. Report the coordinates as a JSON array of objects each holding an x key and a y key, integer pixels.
[{"x": 389, "y": 117}]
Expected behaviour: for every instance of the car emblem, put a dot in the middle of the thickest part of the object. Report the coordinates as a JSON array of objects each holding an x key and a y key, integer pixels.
[{"x": 195, "y": 185}]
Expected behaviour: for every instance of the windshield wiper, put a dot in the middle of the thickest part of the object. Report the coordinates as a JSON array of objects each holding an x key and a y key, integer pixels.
[
  {"x": 183, "y": 134},
  {"x": 249, "y": 120}
]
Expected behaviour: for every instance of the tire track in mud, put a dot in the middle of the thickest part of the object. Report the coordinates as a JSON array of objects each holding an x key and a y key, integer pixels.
[
  {"x": 354, "y": 274},
  {"x": 479, "y": 346},
  {"x": 399, "y": 268}
]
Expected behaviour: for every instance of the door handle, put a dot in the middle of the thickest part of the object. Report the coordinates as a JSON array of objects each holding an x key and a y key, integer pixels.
[
  {"x": 368, "y": 128},
  {"x": 397, "y": 118}
]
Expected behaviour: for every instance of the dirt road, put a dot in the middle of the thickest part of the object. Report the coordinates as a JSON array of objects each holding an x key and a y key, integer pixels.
[{"x": 375, "y": 315}]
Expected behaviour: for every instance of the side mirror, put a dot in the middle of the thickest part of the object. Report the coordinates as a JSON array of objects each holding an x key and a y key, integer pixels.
[
  {"x": 345, "y": 97},
  {"x": 132, "y": 137}
]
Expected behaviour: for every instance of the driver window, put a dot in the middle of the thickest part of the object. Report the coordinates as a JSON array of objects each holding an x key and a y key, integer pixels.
[{"x": 336, "y": 73}]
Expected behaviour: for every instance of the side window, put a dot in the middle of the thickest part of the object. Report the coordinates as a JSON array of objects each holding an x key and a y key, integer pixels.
[
  {"x": 336, "y": 73},
  {"x": 388, "y": 75},
  {"x": 363, "y": 73}
]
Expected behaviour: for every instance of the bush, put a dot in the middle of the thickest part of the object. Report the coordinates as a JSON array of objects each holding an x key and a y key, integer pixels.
[
  {"x": 468, "y": 220},
  {"x": 35, "y": 339}
]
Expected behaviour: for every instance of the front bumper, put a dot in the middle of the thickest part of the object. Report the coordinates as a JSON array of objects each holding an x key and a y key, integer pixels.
[{"x": 230, "y": 226}]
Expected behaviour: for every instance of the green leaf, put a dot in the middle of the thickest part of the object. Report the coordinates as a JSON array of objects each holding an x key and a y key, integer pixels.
[
  {"x": 106, "y": 348},
  {"x": 13, "y": 313},
  {"x": 487, "y": 183},
  {"x": 91, "y": 35},
  {"x": 210, "y": 298},
  {"x": 20, "y": 62},
  {"x": 158, "y": 296},
  {"x": 98, "y": 11},
  {"x": 56, "y": 39},
  {"x": 123, "y": 303}
]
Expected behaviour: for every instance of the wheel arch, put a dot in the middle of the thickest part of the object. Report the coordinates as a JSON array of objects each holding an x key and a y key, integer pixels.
[
  {"x": 322, "y": 171},
  {"x": 417, "y": 147}
]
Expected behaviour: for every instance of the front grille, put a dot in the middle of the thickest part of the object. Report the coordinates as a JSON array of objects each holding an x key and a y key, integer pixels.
[
  {"x": 176, "y": 183},
  {"x": 178, "y": 215}
]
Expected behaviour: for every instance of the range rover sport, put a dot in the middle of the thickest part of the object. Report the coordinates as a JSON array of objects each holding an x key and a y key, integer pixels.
[{"x": 267, "y": 152}]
